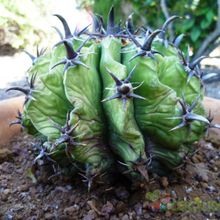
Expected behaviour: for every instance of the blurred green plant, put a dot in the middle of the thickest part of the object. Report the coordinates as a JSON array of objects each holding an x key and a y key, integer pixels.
[
  {"x": 200, "y": 18},
  {"x": 102, "y": 7},
  {"x": 21, "y": 22}
]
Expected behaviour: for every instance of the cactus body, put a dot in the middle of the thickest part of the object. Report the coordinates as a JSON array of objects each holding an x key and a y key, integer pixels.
[{"x": 115, "y": 99}]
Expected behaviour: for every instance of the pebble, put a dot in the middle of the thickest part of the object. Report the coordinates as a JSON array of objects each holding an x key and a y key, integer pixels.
[
  {"x": 211, "y": 189},
  {"x": 120, "y": 207},
  {"x": 145, "y": 205},
  {"x": 77, "y": 199},
  {"x": 90, "y": 216},
  {"x": 71, "y": 209},
  {"x": 120, "y": 215},
  {"x": 108, "y": 208},
  {"x": 215, "y": 169},
  {"x": 23, "y": 188},
  {"x": 204, "y": 185},
  {"x": 6, "y": 191},
  {"x": 195, "y": 159},
  {"x": 61, "y": 189},
  {"x": 218, "y": 183},
  {"x": 212, "y": 161},
  {"x": 168, "y": 214},
  {"x": 49, "y": 216},
  {"x": 138, "y": 209},
  {"x": 174, "y": 195},
  {"x": 199, "y": 158},
  {"x": 69, "y": 187},
  {"x": 121, "y": 193},
  {"x": 202, "y": 172},
  {"x": 8, "y": 216},
  {"x": 19, "y": 171},
  {"x": 132, "y": 215},
  {"x": 189, "y": 190},
  {"x": 5, "y": 154},
  {"x": 217, "y": 163},
  {"x": 146, "y": 216},
  {"x": 4, "y": 197},
  {"x": 72, "y": 198},
  {"x": 114, "y": 217},
  {"x": 125, "y": 217},
  {"x": 164, "y": 182}
]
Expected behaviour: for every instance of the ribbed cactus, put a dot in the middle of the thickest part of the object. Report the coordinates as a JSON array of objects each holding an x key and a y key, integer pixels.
[{"x": 115, "y": 99}]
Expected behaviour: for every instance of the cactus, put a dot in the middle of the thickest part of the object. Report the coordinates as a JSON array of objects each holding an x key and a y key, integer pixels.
[{"x": 115, "y": 100}]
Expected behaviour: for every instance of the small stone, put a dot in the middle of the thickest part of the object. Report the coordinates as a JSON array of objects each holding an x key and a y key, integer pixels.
[
  {"x": 138, "y": 209},
  {"x": 5, "y": 155},
  {"x": 77, "y": 199},
  {"x": 61, "y": 189},
  {"x": 120, "y": 207},
  {"x": 114, "y": 217},
  {"x": 202, "y": 172},
  {"x": 204, "y": 185},
  {"x": 217, "y": 163},
  {"x": 19, "y": 171},
  {"x": 145, "y": 205},
  {"x": 164, "y": 182},
  {"x": 132, "y": 215},
  {"x": 63, "y": 217},
  {"x": 71, "y": 210},
  {"x": 218, "y": 183},
  {"x": 195, "y": 159},
  {"x": 211, "y": 189},
  {"x": 214, "y": 134},
  {"x": 168, "y": 214},
  {"x": 120, "y": 215},
  {"x": 4, "y": 197},
  {"x": 199, "y": 158},
  {"x": 189, "y": 190},
  {"x": 6, "y": 191},
  {"x": 90, "y": 216},
  {"x": 49, "y": 216},
  {"x": 23, "y": 188},
  {"x": 9, "y": 216},
  {"x": 215, "y": 169},
  {"x": 146, "y": 216},
  {"x": 72, "y": 199},
  {"x": 125, "y": 217},
  {"x": 218, "y": 199},
  {"x": 212, "y": 161},
  {"x": 108, "y": 208},
  {"x": 121, "y": 193},
  {"x": 173, "y": 194},
  {"x": 69, "y": 187}
]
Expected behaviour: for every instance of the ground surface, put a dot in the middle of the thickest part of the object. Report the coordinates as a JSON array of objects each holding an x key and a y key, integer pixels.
[{"x": 195, "y": 192}]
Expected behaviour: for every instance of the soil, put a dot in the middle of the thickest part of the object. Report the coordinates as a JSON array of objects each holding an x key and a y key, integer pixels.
[{"x": 193, "y": 192}]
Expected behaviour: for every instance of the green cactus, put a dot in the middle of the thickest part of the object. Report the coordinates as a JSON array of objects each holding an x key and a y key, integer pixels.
[{"x": 115, "y": 100}]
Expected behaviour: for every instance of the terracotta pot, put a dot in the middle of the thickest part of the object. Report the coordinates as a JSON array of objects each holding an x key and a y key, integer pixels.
[
  {"x": 8, "y": 111},
  {"x": 9, "y": 108},
  {"x": 213, "y": 105}
]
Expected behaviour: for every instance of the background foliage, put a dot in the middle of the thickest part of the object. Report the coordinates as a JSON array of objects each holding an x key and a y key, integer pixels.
[
  {"x": 21, "y": 22},
  {"x": 200, "y": 16}
]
